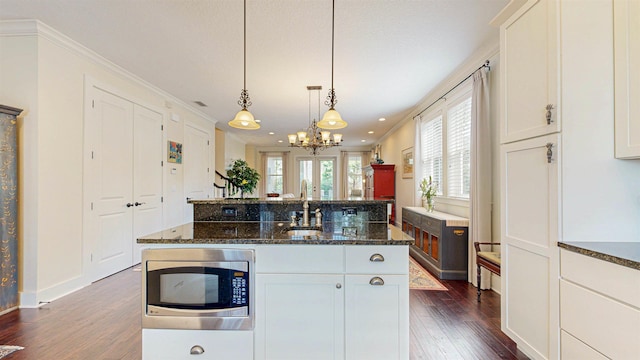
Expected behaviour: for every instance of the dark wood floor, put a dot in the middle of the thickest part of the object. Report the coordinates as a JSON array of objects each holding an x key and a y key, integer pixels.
[{"x": 102, "y": 322}]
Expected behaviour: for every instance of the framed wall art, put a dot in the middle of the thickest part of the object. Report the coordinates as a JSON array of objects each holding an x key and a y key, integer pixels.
[
  {"x": 175, "y": 152},
  {"x": 407, "y": 163}
]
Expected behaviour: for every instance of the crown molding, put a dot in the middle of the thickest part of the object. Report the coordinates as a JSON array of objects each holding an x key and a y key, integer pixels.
[{"x": 11, "y": 28}]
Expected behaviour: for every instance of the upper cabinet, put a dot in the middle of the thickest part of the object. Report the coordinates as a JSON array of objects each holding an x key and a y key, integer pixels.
[
  {"x": 627, "y": 78},
  {"x": 530, "y": 81}
]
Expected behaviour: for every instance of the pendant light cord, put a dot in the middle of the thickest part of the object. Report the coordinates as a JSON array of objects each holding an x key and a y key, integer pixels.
[
  {"x": 245, "y": 46},
  {"x": 333, "y": 17}
]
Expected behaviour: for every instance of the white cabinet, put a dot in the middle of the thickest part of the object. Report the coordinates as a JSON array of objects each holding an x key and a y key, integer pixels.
[
  {"x": 627, "y": 78},
  {"x": 610, "y": 295},
  {"x": 371, "y": 333},
  {"x": 529, "y": 226},
  {"x": 530, "y": 82},
  {"x": 161, "y": 344},
  {"x": 332, "y": 302}
]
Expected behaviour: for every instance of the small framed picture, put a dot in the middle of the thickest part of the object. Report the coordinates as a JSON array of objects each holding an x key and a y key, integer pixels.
[
  {"x": 175, "y": 152},
  {"x": 407, "y": 163}
]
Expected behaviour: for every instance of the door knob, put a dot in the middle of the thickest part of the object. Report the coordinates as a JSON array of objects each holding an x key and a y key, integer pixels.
[
  {"x": 139, "y": 203},
  {"x": 129, "y": 204}
]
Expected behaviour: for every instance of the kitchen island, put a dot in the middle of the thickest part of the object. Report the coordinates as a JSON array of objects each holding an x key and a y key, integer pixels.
[{"x": 335, "y": 291}]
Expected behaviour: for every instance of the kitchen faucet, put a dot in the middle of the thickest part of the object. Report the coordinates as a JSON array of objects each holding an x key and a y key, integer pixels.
[{"x": 305, "y": 205}]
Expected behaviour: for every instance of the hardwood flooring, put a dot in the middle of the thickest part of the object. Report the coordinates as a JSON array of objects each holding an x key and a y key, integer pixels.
[{"x": 102, "y": 322}]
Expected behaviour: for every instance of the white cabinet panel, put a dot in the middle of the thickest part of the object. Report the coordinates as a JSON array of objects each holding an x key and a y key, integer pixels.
[
  {"x": 299, "y": 317},
  {"x": 377, "y": 317},
  {"x": 529, "y": 76},
  {"x": 573, "y": 348},
  {"x": 362, "y": 259},
  {"x": 627, "y": 77},
  {"x": 161, "y": 344},
  {"x": 299, "y": 259}
]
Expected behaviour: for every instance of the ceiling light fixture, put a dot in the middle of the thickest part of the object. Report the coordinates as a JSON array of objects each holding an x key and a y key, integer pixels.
[
  {"x": 313, "y": 139},
  {"x": 244, "y": 119},
  {"x": 332, "y": 119}
]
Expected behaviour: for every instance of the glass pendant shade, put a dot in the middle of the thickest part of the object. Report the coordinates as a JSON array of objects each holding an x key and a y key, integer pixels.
[
  {"x": 332, "y": 120},
  {"x": 292, "y": 138},
  {"x": 337, "y": 138},
  {"x": 244, "y": 120}
]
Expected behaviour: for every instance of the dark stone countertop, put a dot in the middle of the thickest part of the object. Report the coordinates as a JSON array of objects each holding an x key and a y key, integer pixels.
[
  {"x": 621, "y": 253},
  {"x": 261, "y": 232}
]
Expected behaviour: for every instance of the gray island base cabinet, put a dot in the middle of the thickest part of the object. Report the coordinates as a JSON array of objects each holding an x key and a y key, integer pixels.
[{"x": 441, "y": 241}]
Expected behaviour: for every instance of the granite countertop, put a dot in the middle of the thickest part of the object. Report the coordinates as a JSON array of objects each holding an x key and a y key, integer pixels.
[
  {"x": 286, "y": 200},
  {"x": 263, "y": 232},
  {"x": 450, "y": 219},
  {"x": 621, "y": 253}
]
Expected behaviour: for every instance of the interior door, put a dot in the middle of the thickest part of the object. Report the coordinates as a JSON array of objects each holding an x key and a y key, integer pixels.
[
  {"x": 147, "y": 179},
  {"x": 111, "y": 168},
  {"x": 196, "y": 166},
  {"x": 320, "y": 174}
]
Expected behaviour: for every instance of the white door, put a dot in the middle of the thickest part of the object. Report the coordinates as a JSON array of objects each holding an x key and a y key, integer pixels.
[
  {"x": 196, "y": 166},
  {"x": 529, "y": 227},
  {"x": 299, "y": 317},
  {"x": 320, "y": 174},
  {"x": 110, "y": 129},
  {"x": 147, "y": 178}
]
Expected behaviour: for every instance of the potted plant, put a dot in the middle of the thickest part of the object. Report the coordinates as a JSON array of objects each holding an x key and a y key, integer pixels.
[
  {"x": 428, "y": 189},
  {"x": 242, "y": 177}
]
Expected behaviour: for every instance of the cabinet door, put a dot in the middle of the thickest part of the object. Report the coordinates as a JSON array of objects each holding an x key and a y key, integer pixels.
[
  {"x": 377, "y": 317},
  {"x": 529, "y": 228},
  {"x": 528, "y": 50},
  {"x": 299, "y": 317},
  {"x": 627, "y": 78}
]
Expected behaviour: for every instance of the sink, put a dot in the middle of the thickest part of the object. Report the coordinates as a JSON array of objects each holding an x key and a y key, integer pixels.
[{"x": 304, "y": 232}]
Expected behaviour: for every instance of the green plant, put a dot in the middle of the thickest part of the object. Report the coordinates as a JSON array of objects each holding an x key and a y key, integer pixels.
[
  {"x": 243, "y": 177},
  {"x": 428, "y": 188}
]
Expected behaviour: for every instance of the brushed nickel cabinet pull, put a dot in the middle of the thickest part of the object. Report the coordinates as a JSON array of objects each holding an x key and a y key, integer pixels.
[
  {"x": 376, "y": 281},
  {"x": 376, "y": 257},
  {"x": 197, "y": 350},
  {"x": 548, "y": 113},
  {"x": 549, "y": 152}
]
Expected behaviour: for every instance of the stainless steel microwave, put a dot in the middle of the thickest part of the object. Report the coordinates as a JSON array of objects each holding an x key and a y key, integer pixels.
[{"x": 197, "y": 288}]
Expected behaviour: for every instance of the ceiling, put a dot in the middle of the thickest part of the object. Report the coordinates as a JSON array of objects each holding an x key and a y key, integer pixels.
[{"x": 388, "y": 54}]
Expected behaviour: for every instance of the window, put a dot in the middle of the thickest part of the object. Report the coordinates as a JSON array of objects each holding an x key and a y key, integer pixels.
[
  {"x": 448, "y": 129},
  {"x": 274, "y": 174},
  {"x": 354, "y": 176}
]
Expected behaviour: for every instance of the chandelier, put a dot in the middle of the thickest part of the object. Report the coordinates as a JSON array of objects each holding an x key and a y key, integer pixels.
[{"x": 313, "y": 139}]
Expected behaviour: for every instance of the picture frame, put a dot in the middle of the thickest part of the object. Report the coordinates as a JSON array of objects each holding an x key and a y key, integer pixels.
[
  {"x": 174, "y": 152},
  {"x": 407, "y": 163}
]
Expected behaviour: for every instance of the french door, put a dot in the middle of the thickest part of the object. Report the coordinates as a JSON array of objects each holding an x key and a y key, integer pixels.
[{"x": 320, "y": 174}]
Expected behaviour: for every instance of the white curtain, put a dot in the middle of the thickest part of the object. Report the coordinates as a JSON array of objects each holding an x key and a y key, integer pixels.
[
  {"x": 480, "y": 196},
  {"x": 417, "y": 161}
]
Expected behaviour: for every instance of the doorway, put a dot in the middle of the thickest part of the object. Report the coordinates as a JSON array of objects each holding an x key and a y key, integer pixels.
[{"x": 320, "y": 174}]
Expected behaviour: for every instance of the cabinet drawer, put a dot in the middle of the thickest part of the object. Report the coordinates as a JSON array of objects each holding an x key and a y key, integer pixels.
[
  {"x": 572, "y": 348},
  {"x": 431, "y": 225},
  {"x": 610, "y": 327},
  {"x": 393, "y": 259},
  {"x": 161, "y": 344},
  {"x": 300, "y": 259},
  {"x": 616, "y": 281}
]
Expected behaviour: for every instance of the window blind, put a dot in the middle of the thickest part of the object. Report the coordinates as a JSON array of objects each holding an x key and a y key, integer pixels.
[
  {"x": 459, "y": 148},
  {"x": 431, "y": 134}
]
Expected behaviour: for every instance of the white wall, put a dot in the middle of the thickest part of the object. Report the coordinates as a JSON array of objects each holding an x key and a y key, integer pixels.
[
  {"x": 43, "y": 72},
  {"x": 233, "y": 149}
]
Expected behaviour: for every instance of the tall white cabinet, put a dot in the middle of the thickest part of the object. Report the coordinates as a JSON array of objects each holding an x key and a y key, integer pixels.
[
  {"x": 529, "y": 163},
  {"x": 560, "y": 179}
]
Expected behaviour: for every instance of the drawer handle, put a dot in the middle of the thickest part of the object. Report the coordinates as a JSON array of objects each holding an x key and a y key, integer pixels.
[
  {"x": 197, "y": 350},
  {"x": 376, "y": 258},
  {"x": 338, "y": 286},
  {"x": 376, "y": 281}
]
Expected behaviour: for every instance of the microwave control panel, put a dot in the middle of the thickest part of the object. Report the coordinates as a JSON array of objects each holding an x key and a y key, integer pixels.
[{"x": 240, "y": 288}]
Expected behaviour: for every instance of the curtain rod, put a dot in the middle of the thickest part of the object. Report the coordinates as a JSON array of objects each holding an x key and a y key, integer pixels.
[{"x": 485, "y": 65}]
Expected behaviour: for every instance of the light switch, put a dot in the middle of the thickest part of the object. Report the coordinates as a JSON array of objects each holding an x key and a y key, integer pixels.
[{"x": 174, "y": 171}]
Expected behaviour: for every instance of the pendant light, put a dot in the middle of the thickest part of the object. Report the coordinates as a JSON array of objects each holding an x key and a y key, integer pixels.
[
  {"x": 332, "y": 119},
  {"x": 244, "y": 119}
]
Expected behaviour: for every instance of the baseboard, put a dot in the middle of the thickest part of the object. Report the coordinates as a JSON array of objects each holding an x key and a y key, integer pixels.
[
  {"x": 52, "y": 293},
  {"x": 8, "y": 310}
]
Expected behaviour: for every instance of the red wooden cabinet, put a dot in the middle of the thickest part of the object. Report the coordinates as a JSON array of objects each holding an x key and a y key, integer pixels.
[{"x": 380, "y": 184}]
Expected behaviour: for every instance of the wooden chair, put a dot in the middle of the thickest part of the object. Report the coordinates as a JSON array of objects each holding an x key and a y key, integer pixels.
[{"x": 490, "y": 260}]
